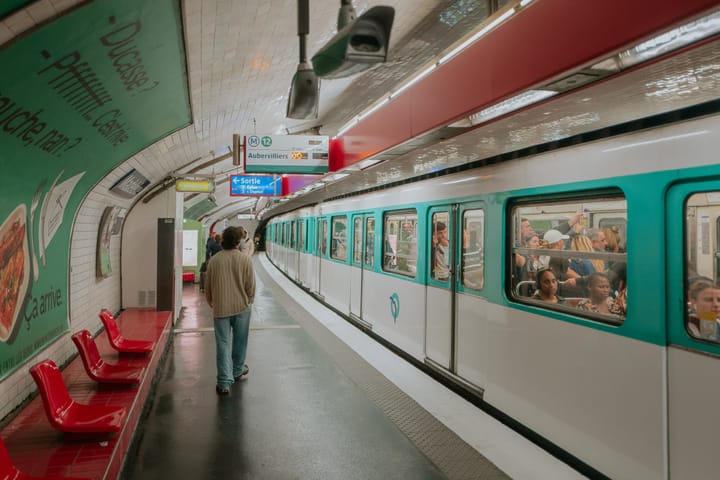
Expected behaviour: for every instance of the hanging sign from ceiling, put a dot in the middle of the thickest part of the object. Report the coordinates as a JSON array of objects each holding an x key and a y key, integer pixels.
[
  {"x": 255, "y": 185},
  {"x": 286, "y": 153},
  {"x": 203, "y": 186}
]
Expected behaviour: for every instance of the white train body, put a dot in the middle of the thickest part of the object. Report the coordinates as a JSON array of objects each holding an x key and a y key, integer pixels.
[{"x": 634, "y": 398}]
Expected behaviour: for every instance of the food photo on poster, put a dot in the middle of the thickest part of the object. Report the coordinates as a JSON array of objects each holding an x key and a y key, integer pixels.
[{"x": 14, "y": 271}]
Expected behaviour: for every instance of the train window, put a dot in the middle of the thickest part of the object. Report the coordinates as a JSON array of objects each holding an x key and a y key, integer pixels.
[
  {"x": 472, "y": 249},
  {"x": 400, "y": 242},
  {"x": 357, "y": 240},
  {"x": 702, "y": 227},
  {"x": 441, "y": 248},
  {"x": 369, "y": 241},
  {"x": 561, "y": 259},
  {"x": 338, "y": 247},
  {"x": 322, "y": 237}
]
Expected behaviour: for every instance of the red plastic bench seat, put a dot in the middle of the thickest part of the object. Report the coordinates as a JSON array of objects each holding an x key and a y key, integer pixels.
[
  {"x": 98, "y": 369},
  {"x": 8, "y": 470},
  {"x": 120, "y": 343},
  {"x": 67, "y": 415}
]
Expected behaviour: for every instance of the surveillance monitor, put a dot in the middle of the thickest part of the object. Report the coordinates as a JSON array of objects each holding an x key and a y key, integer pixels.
[{"x": 358, "y": 46}]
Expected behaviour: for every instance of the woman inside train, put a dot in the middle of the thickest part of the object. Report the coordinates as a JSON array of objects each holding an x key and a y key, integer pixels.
[
  {"x": 612, "y": 238},
  {"x": 600, "y": 300},
  {"x": 584, "y": 266},
  {"x": 547, "y": 287},
  {"x": 617, "y": 273}
]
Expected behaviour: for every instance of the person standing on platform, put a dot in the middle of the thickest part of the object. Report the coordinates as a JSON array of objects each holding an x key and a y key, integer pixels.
[
  {"x": 244, "y": 245},
  {"x": 230, "y": 291},
  {"x": 213, "y": 246}
]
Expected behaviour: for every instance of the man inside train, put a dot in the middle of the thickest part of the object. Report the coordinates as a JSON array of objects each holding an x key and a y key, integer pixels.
[
  {"x": 441, "y": 252},
  {"x": 597, "y": 237},
  {"x": 560, "y": 266}
]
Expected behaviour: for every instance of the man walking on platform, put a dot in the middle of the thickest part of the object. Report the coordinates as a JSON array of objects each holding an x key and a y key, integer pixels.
[{"x": 230, "y": 291}]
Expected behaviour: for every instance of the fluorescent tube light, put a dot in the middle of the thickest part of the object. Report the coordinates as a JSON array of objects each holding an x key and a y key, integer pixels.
[
  {"x": 511, "y": 104},
  {"x": 475, "y": 36},
  {"x": 672, "y": 40}
]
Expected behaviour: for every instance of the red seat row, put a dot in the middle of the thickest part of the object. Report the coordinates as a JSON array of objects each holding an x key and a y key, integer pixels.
[{"x": 69, "y": 416}]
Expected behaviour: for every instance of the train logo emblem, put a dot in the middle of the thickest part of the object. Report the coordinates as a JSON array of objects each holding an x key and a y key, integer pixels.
[
  {"x": 253, "y": 141},
  {"x": 394, "y": 306}
]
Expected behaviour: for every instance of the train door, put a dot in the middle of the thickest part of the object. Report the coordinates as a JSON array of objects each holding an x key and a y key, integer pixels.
[
  {"x": 310, "y": 263},
  {"x": 368, "y": 259},
  {"x": 300, "y": 249},
  {"x": 289, "y": 246},
  {"x": 321, "y": 250},
  {"x": 293, "y": 259},
  {"x": 356, "y": 272},
  {"x": 693, "y": 298},
  {"x": 440, "y": 292}
]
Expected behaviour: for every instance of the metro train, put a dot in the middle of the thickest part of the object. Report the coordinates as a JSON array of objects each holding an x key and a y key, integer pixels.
[{"x": 438, "y": 270}]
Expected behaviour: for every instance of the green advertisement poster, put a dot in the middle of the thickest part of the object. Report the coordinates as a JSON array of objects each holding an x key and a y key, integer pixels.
[{"x": 78, "y": 96}]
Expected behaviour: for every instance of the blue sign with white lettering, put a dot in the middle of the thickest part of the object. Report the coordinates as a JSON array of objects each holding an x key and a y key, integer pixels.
[{"x": 255, "y": 185}]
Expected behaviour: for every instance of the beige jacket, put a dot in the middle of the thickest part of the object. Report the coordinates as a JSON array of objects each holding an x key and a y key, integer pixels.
[{"x": 229, "y": 283}]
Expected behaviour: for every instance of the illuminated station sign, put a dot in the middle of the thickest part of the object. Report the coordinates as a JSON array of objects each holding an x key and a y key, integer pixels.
[
  {"x": 286, "y": 154},
  {"x": 255, "y": 185}
]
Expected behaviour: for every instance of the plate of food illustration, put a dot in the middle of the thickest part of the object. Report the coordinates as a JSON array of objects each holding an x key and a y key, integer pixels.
[{"x": 14, "y": 270}]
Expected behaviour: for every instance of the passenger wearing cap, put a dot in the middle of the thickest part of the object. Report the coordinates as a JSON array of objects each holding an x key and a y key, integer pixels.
[
  {"x": 553, "y": 238},
  {"x": 561, "y": 266}
]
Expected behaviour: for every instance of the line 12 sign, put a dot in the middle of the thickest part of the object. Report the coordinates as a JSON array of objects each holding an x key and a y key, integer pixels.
[
  {"x": 304, "y": 154},
  {"x": 255, "y": 185}
]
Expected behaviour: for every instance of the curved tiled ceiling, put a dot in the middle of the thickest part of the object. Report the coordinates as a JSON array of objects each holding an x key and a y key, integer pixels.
[{"x": 239, "y": 60}]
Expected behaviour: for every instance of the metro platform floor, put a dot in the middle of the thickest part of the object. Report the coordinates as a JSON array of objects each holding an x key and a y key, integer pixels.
[{"x": 322, "y": 401}]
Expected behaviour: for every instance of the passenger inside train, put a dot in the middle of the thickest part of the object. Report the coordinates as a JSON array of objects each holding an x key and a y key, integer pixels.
[
  {"x": 575, "y": 233},
  {"x": 547, "y": 288},
  {"x": 600, "y": 301},
  {"x": 441, "y": 252},
  {"x": 703, "y": 308}
]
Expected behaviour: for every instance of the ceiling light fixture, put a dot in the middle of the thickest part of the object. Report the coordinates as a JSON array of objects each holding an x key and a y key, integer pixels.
[
  {"x": 672, "y": 40},
  {"x": 305, "y": 86},
  {"x": 474, "y": 37}
]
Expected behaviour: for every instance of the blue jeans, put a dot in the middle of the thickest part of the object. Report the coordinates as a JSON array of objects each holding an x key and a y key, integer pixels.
[{"x": 230, "y": 352}]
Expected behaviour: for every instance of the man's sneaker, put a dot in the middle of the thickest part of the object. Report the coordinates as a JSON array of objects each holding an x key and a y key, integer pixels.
[
  {"x": 245, "y": 371},
  {"x": 222, "y": 390}
]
